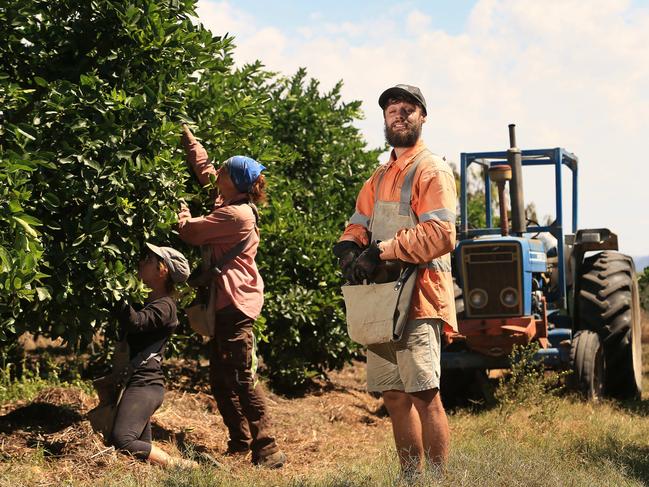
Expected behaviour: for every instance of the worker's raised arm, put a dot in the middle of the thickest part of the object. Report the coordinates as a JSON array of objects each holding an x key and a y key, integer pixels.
[{"x": 197, "y": 156}]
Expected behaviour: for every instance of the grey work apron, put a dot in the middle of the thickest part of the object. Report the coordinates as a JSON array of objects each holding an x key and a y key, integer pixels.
[{"x": 377, "y": 313}]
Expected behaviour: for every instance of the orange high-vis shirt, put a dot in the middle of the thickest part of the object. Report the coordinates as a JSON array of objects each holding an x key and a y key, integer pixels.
[{"x": 434, "y": 202}]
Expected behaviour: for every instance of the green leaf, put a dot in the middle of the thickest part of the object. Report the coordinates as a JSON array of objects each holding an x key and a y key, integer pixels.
[
  {"x": 79, "y": 240},
  {"x": 15, "y": 207},
  {"x": 40, "y": 81},
  {"x": 52, "y": 199},
  {"x": 5, "y": 260},
  {"x": 112, "y": 248},
  {"x": 26, "y": 227},
  {"x": 23, "y": 133},
  {"x": 125, "y": 154},
  {"x": 31, "y": 220},
  {"x": 43, "y": 294}
]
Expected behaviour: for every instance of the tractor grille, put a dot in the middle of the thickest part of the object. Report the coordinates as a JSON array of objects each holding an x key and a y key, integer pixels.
[{"x": 492, "y": 268}]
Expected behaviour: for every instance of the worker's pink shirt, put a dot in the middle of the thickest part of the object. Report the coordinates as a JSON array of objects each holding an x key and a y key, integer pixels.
[{"x": 228, "y": 224}]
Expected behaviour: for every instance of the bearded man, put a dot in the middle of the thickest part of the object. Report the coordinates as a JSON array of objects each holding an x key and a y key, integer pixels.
[{"x": 419, "y": 184}]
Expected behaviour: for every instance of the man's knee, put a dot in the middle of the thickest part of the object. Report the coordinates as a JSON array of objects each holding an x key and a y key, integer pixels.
[
  {"x": 428, "y": 401},
  {"x": 396, "y": 401}
]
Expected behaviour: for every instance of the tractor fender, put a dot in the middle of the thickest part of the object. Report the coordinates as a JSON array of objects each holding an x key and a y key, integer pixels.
[{"x": 591, "y": 239}]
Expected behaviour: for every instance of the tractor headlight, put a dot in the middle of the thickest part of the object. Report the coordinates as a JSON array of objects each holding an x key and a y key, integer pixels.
[
  {"x": 509, "y": 297},
  {"x": 478, "y": 298}
]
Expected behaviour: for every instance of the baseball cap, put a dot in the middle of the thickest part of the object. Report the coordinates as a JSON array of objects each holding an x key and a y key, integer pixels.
[
  {"x": 174, "y": 260},
  {"x": 243, "y": 171},
  {"x": 400, "y": 91}
]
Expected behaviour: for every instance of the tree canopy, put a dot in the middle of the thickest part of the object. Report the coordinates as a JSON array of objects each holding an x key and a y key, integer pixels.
[{"x": 92, "y": 95}]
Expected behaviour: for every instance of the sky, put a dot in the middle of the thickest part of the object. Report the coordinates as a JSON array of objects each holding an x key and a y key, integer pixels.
[{"x": 568, "y": 73}]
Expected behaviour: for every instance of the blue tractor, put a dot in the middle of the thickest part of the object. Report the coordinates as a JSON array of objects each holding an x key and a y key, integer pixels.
[{"x": 571, "y": 292}]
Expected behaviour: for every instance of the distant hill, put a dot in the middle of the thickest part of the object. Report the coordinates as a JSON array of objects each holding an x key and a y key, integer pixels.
[{"x": 641, "y": 263}]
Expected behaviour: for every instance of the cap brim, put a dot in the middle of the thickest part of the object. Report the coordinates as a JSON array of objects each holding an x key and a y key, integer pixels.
[
  {"x": 155, "y": 249},
  {"x": 396, "y": 92}
]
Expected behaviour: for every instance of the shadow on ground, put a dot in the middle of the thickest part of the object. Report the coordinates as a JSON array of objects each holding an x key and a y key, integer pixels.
[{"x": 39, "y": 417}]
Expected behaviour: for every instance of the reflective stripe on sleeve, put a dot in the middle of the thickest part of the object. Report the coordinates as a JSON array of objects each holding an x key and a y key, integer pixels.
[
  {"x": 360, "y": 219},
  {"x": 438, "y": 265},
  {"x": 443, "y": 215}
]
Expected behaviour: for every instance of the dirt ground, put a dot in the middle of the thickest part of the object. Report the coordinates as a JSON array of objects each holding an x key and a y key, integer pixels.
[{"x": 338, "y": 421}]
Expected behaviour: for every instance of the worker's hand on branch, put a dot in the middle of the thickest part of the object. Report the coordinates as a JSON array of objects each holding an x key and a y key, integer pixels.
[
  {"x": 187, "y": 137},
  {"x": 184, "y": 214},
  {"x": 366, "y": 263},
  {"x": 347, "y": 252}
]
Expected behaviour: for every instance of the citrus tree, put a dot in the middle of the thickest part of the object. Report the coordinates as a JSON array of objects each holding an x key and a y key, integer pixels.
[
  {"x": 21, "y": 250},
  {"x": 643, "y": 284},
  {"x": 92, "y": 95}
]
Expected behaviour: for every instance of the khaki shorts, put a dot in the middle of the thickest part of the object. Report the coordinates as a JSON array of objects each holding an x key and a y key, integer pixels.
[{"x": 412, "y": 364}]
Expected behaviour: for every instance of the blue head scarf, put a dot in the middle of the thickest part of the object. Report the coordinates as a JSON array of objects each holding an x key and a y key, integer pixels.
[{"x": 243, "y": 171}]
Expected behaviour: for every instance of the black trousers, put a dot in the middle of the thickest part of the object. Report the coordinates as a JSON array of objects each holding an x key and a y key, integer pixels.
[{"x": 132, "y": 428}]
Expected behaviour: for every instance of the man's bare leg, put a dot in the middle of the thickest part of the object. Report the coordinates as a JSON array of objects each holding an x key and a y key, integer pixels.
[
  {"x": 406, "y": 427},
  {"x": 434, "y": 425}
]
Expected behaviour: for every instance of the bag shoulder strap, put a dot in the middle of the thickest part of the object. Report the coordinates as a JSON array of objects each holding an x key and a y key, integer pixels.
[
  {"x": 233, "y": 252},
  {"x": 406, "y": 188},
  {"x": 237, "y": 249},
  {"x": 379, "y": 180}
]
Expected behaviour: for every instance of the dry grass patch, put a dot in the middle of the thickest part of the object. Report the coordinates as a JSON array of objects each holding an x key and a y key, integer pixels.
[
  {"x": 337, "y": 425},
  {"x": 335, "y": 436}
]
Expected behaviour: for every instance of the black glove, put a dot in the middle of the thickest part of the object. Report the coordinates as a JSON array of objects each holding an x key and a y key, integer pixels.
[
  {"x": 347, "y": 252},
  {"x": 366, "y": 263}
]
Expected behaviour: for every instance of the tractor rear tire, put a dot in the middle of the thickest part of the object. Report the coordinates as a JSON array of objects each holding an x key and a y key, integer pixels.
[
  {"x": 608, "y": 303},
  {"x": 588, "y": 366}
]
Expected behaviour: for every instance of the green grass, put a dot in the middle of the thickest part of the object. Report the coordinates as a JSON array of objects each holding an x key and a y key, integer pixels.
[
  {"x": 577, "y": 444},
  {"x": 32, "y": 380},
  {"x": 535, "y": 438}
]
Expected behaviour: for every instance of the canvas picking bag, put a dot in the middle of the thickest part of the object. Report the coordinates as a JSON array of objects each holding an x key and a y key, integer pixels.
[
  {"x": 377, "y": 313},
  {"x": 200, "y": 313},
  {"x": 110, "y": 387}
]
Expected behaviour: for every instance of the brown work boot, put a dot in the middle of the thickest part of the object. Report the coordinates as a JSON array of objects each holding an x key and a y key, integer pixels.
[
  {"x": 236, "y": 452},
  {"x": 273, "y": 460}
]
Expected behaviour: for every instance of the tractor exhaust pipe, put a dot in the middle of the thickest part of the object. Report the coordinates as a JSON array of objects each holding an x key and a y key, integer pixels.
[{"x": 514, "y": 159}]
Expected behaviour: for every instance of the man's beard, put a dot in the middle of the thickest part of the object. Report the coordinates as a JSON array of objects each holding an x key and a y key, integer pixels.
[{"x": 404, "y": 138}]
